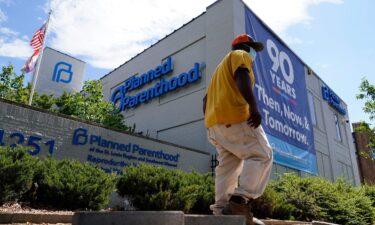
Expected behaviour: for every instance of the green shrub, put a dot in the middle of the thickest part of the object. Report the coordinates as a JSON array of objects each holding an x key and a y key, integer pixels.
[
  {"x": 69, "y": 184},
  {"x": 158, "y": 188},
  {"x": 272, "y": 205},
  {"x": 65, "y": 184},
  {"x": 314, "y": 198},
  {"x": 293, "y": 189},
  {"x": 369, "y": 191},
  {"x": 16, "y": 173},
  {"x": 205, "y": 191},
  {"x": 354, "y": 206}
]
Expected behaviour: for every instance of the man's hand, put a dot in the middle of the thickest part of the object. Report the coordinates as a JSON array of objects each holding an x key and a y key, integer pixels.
[{"x": 255, "y": 118}]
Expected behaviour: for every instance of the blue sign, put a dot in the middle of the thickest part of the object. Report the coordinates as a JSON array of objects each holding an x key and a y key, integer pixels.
[
  {"x": 60, "y": 69},
  {"x": 333, "y": 99},
  {"x": 100, "y": 147},
  {"x": 123, "y": 101},
  {"x": 281, "y": 94}
]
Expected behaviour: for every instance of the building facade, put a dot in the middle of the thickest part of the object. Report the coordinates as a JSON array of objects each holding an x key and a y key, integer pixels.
[{"x": 161, "y": 90}]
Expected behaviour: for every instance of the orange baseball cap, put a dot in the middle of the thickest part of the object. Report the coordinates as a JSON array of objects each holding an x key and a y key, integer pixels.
[{"x": 248, "y": 40}]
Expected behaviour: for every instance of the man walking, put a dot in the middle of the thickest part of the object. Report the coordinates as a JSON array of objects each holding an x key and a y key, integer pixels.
[{"x": 233, "y": 123}]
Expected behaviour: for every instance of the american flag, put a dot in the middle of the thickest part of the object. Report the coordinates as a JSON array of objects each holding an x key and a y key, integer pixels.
[
  {"x": 30, "y": 63},
  {"x": 37, "y": 43},
  {"x": 37, "y": 40}
]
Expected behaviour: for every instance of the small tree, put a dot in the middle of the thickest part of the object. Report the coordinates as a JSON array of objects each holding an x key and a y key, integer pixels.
[
  {"x": 44, "y": 101},
  {"x": 87, "y": 104},
  {"x": 367, "y": 93},
  {"x": 11, "y": 85},
  {"x": 12, "y": 88}
]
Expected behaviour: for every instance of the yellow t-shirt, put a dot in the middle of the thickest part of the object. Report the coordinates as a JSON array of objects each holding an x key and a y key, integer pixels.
[{"x": 225, "y": 104}]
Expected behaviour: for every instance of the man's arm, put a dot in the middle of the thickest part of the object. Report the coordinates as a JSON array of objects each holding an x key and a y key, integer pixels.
[
  {"x": 204, "y": 104},
  {"x": 243, "y": 82}
]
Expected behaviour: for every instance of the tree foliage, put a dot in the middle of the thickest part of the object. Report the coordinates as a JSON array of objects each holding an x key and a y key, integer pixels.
[
  {"x": 87, "y": 104},
  {"x": 11, "y": 85},
  {"x": 367, "y": 93}
]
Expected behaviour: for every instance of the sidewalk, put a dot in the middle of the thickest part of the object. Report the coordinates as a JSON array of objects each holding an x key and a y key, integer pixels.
[{"x": 134, "y": 218}]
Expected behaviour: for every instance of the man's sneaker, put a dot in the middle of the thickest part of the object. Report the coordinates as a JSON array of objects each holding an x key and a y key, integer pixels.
[{"x": 238, "y": 205}]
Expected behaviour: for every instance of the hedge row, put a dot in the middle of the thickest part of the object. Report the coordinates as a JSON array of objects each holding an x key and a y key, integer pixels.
[
  {"x": 59, "y": 184},
  {"x": 69, "y": 184},
  {"x": 157, "y": 188},
  {"x": 290, "y": 197}
]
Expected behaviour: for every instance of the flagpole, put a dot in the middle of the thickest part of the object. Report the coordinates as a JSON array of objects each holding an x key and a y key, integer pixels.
[{"x": 36, "y": 72}]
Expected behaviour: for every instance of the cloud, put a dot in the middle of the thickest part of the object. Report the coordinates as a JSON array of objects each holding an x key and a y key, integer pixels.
[
  {"x": 281, "y": 15},
  {"x": 323, "y": 65},
  {"x": 107, "y": 33},
  {"x": 16, "y": 48},
  {"x": 10, "y": 44},
  {"x": 8, "y": 32},
  {"x": 3, "y": 17},
  {"x": 293, "y": 40}
]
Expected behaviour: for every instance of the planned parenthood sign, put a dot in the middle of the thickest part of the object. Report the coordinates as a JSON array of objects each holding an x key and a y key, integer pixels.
[{"x": 59, "y": 72}]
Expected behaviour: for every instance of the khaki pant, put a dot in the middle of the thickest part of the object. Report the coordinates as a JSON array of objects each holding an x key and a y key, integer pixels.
[{"x": 242, "y": 152}]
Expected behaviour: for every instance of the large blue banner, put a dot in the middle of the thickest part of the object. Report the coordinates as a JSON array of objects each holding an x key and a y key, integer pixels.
[{"x": 281, "y": 94}]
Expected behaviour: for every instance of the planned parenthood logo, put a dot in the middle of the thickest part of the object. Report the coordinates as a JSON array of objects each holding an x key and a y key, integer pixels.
[{"x": 62, "y": 72}]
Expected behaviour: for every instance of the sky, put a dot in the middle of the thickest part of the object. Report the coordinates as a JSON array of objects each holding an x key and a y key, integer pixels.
[{"x": 335, "y": 38}]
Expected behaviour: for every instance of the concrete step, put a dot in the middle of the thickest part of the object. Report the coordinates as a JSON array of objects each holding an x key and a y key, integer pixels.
[
  {"x": 137, "y": 218},
  {"x": 285, "y": 222},
  {"x": 168, "y": 218},
  {"x": 129, "y": 218},
  {"x": 51, "y": 218},
  {"x": 152, "y": 218},
  {"x": 214, "y": 220}
]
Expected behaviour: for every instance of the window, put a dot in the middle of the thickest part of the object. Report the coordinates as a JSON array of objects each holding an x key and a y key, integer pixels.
[
  {"x": 312, "y": 108},
  {"x": 346, "y": 172},
  {"x": 324, "y": 165},
  {"x": 337, "y": 125},
  {"x": 278, "y": 169}
]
